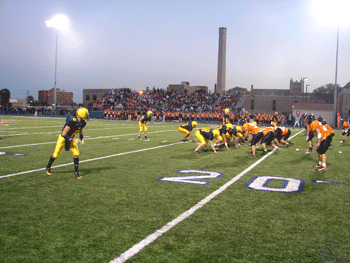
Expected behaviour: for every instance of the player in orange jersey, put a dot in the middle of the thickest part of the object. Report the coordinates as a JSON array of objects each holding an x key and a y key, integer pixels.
[
  {"x": 269, "y": 135},
  {"x": 257, "y": 135},
  {"x": 324, "y": 139},
  {"x": 346, "y": 126}
]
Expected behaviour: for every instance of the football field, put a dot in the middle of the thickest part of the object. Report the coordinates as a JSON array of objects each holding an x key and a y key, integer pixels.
[{"x": 155, "y": 200}]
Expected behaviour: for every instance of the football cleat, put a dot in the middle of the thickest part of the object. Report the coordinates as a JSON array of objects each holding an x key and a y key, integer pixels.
[
  {"x": 318, "y": 166},
  {"x": 205, "y": 150},
  {"x": 251, "y": 156},
  {"x": 48, "y": 171},
  {"x": 309, "y": 151},
  {"x": 322, "y": 169},
  {"x": 139, "y": 137},
  {"x": 77, "y": 175},
  {"x": 195, "y": 151}
]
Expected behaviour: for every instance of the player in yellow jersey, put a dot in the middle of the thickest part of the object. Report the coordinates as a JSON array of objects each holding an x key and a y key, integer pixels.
[
  {"x": 143, "y": 123},
  {"x": 235, "y": 133},
  {"x": 73, "y": 126},
  {"x": 226, "y": 116},
  {"x": 204, "y": 136},
  {"x": 220, "y": 135},
  {"x": 186, "y": 128}
]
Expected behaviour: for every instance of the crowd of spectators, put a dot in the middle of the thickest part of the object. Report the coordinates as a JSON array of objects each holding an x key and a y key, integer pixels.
[{"x": 167, "y": 101}]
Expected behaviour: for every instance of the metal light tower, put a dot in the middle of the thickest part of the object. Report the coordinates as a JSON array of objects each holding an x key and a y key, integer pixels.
[
  {"x": 335, "y": 106},
  {"x": 58, "y": 22}
]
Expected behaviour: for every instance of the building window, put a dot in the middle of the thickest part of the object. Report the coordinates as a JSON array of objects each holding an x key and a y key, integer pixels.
[
  {"x": 252, "y": 104},
  {"x": 274, "y": 105},
  {"x": 87, "y": 97},
  {"x": 94, "y": 97}
]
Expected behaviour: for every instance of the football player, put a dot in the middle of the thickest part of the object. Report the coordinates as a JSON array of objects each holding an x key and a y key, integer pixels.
[
  {"x": 204, "y": 136},
  {"x": 257, "y": 135},
  {"x": 324, "y": 139},
  {"x": 269, "y": 135},
  {"x": 220, "y": 134},
  {"x": 281, "y": 135},
  {"x": 233, "y": 134},
  {"x": 309, "y": 135},
  {"x": 331, "y": 131},
  {"x": 186, "y": 129},
  {"x": 66, "y": 140},
  {"x": 226, "y": 116},
  {"x": 143, "y": 123},
  {"x": 345, "y": 125}
]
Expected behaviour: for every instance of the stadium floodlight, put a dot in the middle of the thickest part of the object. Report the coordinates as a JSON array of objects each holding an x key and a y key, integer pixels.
[{"x": 58, "y": 22}]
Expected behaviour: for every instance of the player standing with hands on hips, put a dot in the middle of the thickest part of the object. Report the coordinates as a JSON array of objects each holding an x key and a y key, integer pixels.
[{"x": 66, "y": 140}]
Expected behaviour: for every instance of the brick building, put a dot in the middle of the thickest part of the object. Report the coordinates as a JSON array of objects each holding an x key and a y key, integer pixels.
[{"x": 62, "y": 97}]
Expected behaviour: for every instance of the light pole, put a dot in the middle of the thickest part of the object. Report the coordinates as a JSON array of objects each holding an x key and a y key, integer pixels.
[
  {"x": 306, "y": 90},
  {"x": 304, "y": 79},
  {"x": 335, "y": 105},
  {"x": 58, "y": 22}
]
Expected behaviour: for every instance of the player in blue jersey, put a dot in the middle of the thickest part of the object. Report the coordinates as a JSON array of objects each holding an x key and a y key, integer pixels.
[
  {"x": 226, "y": 116},
  {"x": 143, "y": 123},
  {"x": 204, "y": 136},
  {"x": 220, "y": 135},
  {"x": 186, "y": 129},
  {"x": 66, "y": 140},
  {"x": 233, "y": 134}
]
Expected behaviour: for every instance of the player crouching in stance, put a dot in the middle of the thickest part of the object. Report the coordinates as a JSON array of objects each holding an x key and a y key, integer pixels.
[
  {"x": 220, "y": 135},
  {"x": 204, "y": 136},
  {"x": 143, "y": 123},
  {"x": 255, "y": 131},
  {"x": 233, "y": 134},
  {"x": 66, "y": 139},
  {"x": 269, "y": 136},
  {"x": 324, "y": 139},
  {"x": 281, "y": 135},
  {"x": 186, "y": 129},
  {"x": 346, "y": 126}
]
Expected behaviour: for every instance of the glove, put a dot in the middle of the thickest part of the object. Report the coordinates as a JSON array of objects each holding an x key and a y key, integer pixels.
[{"x": 82, "y": 142}]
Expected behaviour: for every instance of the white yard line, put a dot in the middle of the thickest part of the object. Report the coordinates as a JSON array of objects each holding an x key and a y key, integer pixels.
[{"x": 148, "y": 240}]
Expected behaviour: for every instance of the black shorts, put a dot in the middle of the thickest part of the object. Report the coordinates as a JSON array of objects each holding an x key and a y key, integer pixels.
[
  {"x": 347, "y": 132},
  {"x": 286, "y": 136},
  {"x": 324, "y": 145},
  {"x": 310, "y": 136},
  {"x": 256, "y": 138},
  {"x": 268, "y": 138}
]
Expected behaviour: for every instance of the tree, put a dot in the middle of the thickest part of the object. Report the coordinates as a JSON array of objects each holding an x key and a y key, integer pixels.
[
  {"x": 325, "y": 94},
  {"x": 30, "y": 99},
  {"x": 4, "y": 97}
]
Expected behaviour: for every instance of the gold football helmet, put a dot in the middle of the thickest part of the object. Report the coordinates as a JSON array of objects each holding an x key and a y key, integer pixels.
[{"x": 82, "y": 113}]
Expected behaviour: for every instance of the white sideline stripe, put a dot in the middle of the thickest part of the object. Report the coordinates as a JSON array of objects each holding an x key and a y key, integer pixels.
[
  {"x": 148, "y": 240},
  {"x": 90, "y": 160}
]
